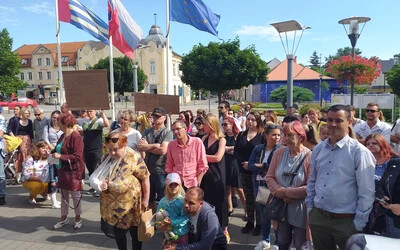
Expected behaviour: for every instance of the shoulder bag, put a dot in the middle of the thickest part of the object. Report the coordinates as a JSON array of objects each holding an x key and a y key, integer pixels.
[{"x": 275, "y": 208}]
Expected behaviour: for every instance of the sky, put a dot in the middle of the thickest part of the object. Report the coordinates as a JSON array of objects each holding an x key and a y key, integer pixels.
[{"x": 33, "y": 22}]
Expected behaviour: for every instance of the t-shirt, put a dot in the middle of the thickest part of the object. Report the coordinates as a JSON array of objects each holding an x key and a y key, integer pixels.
[
  {"x": 193, "y": 222},
  {"x": 156, "y": 163},
  {"x": 133, "y": 137},
  {"x": 38, "y": 126}
]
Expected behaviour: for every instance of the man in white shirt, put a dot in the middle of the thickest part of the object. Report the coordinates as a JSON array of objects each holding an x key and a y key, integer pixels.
[
  {"x": 373, "y": 125},
  {"x": 223, "y": 109}
]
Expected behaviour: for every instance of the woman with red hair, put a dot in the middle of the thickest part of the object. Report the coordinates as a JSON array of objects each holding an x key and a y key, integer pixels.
[
  {"x": 382, "y": 152},
  {"x": 287, "y": 178}
]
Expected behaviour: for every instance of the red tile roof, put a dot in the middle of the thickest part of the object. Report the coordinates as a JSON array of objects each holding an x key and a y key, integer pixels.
[
  {"x": 67, "y": 49},
  {"x": 279, "y": 73}
]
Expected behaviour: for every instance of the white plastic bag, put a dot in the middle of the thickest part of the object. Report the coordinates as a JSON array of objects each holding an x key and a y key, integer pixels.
[{"x": 101, "y": 173}]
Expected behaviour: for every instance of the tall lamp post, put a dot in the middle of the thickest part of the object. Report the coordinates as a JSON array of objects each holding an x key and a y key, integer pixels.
[
  {"x": 285, "y": 27},
  {"x": 353, "y": 34}
]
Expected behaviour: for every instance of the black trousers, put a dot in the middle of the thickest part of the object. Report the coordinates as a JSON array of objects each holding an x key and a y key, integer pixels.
[
  {"x": 246, "y": 182},
  {"x": 92, "y": 160},
  {"x": 120, "y": 238}
]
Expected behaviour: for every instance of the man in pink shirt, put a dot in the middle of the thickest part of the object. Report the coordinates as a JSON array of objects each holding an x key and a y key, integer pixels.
[{"x": 186, "y": 156}]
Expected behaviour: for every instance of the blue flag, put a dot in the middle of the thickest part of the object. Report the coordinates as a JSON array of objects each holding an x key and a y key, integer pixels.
[{"x": 195, "y": 13}]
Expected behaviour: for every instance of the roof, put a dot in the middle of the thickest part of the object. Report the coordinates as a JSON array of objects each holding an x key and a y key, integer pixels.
[
  {"x": 279, "y": 73},
  {"x": 67, "y": 49},
  {"x": 387, "y": 65},
  {"x": 155, "y": 35}
]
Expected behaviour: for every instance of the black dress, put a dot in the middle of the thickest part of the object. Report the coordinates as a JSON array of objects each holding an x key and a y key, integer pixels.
[
  {"x": 213, "y": 184},
  {"x": 232, "y": 168}
]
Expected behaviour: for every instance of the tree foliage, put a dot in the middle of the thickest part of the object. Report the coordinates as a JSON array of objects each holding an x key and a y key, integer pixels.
[
  {"x": 10, "y": 64},
  {"x": 123, "y": 74},
  {"x": 219, "y": 67},
  {"x": 299, "y": 94},
  {"x": 360, "y": 89},
  {"x": 314, "y": 59},
  {"x": 393, "y": 79},
  {"x": 341, "y": 52},
  {"x": 358, "y": 70}
]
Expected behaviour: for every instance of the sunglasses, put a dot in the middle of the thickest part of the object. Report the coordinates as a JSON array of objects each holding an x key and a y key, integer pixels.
[
  {"x": 272, "y": 126},
  {"x": 37, "y": 114},
  {"x": 55, "y": 118},
  {"x": 198, "y": 123},
  {"x": 220, "y": 107},
  {"x": 225, "y": 124},
  {"x": 113, "y": 140},
  {"x": 371, "y": 110}
]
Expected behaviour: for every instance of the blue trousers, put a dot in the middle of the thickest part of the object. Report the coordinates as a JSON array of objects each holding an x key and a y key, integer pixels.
[
  {"x": 3, "y": 182},
  {"x": 265, "y": 223}
]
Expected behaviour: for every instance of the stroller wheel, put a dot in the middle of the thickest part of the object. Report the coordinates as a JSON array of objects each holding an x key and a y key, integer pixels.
[{"x": 18, "y": 178}]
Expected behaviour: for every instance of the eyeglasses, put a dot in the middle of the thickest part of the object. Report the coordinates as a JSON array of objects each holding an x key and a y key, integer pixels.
[
  {"x": 113, "y": 140},
  {"x": 371, "y": 110},
  {"x": 37, "y": 114},
  {"x": 175, "y": 129},
  {"x": 198, "y": 123},
  {"x": 55, "y": 118},
  {"x": 221, "y": 107},
  {"x": 225, "y": 124}
]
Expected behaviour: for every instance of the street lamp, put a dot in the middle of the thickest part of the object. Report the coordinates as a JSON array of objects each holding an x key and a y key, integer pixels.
[
  {"x": 285, "y": 27},
  {"x": 353, "y": 35}
]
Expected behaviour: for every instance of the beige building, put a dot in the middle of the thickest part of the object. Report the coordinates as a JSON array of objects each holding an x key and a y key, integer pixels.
[{"x": 39, "y": 64}]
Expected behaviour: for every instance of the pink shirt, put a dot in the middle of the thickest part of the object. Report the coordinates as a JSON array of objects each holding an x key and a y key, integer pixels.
[{"x": 188, "y": 160}]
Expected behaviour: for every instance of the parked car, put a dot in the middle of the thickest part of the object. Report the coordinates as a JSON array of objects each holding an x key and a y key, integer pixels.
[{"x": 23, "y": 102}]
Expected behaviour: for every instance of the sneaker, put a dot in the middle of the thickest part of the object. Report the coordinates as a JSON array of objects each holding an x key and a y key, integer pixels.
[
  {"x": 263, "y": 245},
  {"x": 32, "y": 201},
  {"x": 90, "y": 191},
  {"x": 96, "y": 193},
  {"x": 18, "y": 177},
  {"x": 274, "y": 247},
  {"x": 248, "y": 228},
  {"x": 56, "y": 205},
  {"x": 78, "y": 225},
  {"x": 228, "y": 237},
  {"x": 2, "y": 201},
  {"x": 257, "y": 230},
  {"x": 60, "y": 224}
]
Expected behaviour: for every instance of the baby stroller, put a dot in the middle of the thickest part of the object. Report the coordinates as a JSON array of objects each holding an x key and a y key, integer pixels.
[{"x": 11, "y": 146}]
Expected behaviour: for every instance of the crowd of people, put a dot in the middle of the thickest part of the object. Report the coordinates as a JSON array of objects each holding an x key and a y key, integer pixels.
[{"x": 314, "y": 179}]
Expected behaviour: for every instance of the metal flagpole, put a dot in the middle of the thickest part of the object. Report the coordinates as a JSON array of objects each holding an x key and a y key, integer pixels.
[
  {"x": 60, "y": 76},
  {"x": 167, "y": 45},
  {"x": 112, "y": 79}
]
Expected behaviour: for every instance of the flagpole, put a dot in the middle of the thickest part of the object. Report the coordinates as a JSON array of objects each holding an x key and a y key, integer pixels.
[
  {"x": 167, "y": 53},
  {"x": 60, "y": 75},
  {"x": 112, "y": 79}
]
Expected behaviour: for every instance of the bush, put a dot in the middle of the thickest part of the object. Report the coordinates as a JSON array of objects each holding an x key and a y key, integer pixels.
[
  {"x": 269, "y": 105},
  {"x": 304, "y": 108}
]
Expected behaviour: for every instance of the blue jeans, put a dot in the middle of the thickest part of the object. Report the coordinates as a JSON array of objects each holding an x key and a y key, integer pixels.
[
  {"x": 391, "y": 230},
  {"x": 265, "y": 223},
  {"x": 3, "y": 182}
]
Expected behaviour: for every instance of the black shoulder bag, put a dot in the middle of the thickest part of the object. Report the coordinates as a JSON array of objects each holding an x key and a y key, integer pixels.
[{"x": 276, "y": 209}]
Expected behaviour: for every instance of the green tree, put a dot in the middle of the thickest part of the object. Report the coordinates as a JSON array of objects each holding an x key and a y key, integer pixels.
[
  {"x": 393, "y": 79},
  {"x": 360, "y": 89},
  {"x": 314, "y": 59},
  {"x": 219, "y": 67},
  {"x": 10, "y": 64},
  {"x": 299, "y": 95},
  {"x": 339, "y": 53},
  {"x": 123, "y": 74}
]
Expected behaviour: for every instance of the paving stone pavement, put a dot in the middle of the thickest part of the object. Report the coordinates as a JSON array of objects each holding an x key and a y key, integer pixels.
[{"x": 26, "y": 226}]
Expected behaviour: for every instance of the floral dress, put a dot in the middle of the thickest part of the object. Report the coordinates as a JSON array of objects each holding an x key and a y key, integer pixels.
[{"x": 120, "y": 204}]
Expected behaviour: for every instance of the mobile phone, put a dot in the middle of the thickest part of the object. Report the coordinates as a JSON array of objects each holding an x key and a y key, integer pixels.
[{"x": 382, "y": 200}]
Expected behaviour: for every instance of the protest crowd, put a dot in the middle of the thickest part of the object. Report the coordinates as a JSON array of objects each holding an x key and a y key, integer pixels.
[{"x": 311, "y": 181}]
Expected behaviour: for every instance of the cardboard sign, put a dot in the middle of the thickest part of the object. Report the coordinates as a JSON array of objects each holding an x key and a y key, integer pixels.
[
  {"x": 86, "y": 89},
  {"x": 147, "y": 102}
]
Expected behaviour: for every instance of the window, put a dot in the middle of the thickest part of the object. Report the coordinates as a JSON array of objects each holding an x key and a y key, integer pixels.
[
  {"x": 152, "y": 67},
  {"x": 87, "y": 66},
  {"x": 39, "y": 62},
  {"x": 47, "y": 61},
  {"x": 40, "y": 76},
  {"x": 64, "y": 59},
  {"x": 174, "y": 68},
  {"x": 22, "y": 76},
  {"x": 48, "y": 75},
  {"x": 24, "y": 61},
  {"x": 29, "y": 75}
]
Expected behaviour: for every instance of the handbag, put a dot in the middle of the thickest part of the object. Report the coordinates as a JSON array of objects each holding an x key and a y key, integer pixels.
[
  {"x": 262, "y": 195},
  {"x": 145, "y": 229},
  {"x": 275, "y": 208}
]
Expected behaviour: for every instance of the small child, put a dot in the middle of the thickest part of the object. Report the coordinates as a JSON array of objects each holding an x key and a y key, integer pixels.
[
  {"x": 323, "y": 132},
  {"x": 173, "y": 204}
]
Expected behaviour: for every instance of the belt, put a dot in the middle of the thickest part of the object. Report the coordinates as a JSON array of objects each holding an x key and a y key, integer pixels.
[{"x": 334, "y": 215}]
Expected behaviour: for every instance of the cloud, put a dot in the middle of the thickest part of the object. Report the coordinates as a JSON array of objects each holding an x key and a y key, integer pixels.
[
  {"x": 5, "y": 9},
  {"x": 6, "y": 15},
  {"x": 41, "y": 8}
]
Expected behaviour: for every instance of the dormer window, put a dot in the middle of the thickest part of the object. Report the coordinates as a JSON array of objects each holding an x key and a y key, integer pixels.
[
  {"x": 64, "y": 59},
  {"x": 24, "y": 61}
]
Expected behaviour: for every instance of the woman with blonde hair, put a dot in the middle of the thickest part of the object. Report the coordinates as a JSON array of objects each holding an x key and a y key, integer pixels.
[
  {"x": 126, "y": 120},
  {"x": 214, "y": 179},
  {"x": 315, "y": 116},
  {"x": 312, "y": 136},
  {"x": 270, "y": 116}
]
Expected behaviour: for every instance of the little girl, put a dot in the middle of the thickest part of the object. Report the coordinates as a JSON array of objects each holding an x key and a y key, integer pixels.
[{"x": 173, "y": 204}]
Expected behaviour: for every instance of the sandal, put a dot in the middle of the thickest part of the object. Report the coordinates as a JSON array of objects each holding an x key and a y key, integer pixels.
[
  {"x": 78, "y": 225},
  {"x": 230, "y": 213},
  {"x": 60, "y": 224}
]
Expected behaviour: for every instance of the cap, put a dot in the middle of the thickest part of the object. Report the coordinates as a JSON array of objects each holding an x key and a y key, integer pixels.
[
  {"x": 173, "y": 178},
  {"x": 159, "y": 111}
]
